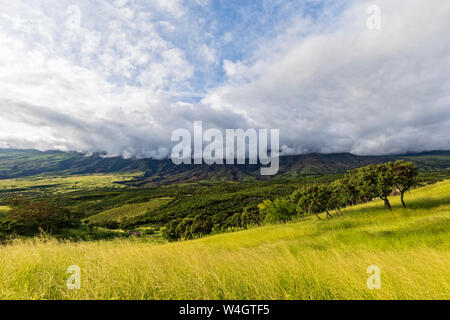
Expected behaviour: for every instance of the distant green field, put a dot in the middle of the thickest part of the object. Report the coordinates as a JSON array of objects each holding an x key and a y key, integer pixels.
[
  {"x": 308, "y": 259},
  {"x": 63, "y": 184},
  {"x": 127, "y": 211}
]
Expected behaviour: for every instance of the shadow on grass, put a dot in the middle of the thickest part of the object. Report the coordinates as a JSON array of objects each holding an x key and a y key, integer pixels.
[
  {"x": 426, "y": 203},
  {"x": 413, "y": 204}
]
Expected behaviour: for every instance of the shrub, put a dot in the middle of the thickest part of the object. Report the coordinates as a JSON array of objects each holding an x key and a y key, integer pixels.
[
  {"x": 170, "y": 231},
  {"x": 251, "y": 216},
  {"x": 30, "y": 218},
  {"x": 200, "y": 227}
]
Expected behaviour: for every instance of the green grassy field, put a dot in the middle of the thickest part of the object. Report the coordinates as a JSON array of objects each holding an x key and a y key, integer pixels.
[
  {"x": 308, "y": 259},
  {"x": 132, "y": 210},
  {"x": 61, "y": 184}
]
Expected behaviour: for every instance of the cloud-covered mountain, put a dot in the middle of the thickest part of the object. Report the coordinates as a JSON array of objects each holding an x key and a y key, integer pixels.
[{"x": 25, "y": 163}]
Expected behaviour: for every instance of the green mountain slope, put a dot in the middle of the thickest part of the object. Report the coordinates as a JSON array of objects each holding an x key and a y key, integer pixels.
[{"x": 23, "y": 163}]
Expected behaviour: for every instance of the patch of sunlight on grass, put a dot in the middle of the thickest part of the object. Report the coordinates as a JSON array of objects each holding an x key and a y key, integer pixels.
[
  {"x": 128, "y": 211},
  {"x": 67, "y": 184}
]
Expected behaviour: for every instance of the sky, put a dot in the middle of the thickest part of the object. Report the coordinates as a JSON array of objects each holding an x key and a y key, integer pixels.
[{"x": 120, "y": 76}]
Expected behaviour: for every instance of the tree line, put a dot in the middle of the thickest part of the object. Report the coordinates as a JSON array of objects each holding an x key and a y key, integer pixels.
[{"x": 357, "y": 186}]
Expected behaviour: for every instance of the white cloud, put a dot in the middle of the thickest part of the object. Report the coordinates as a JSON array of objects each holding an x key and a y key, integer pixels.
[
  {"x": 172, "y": 70},
  {"x": 234, "y": 69},
  {"x": 66, "y": 95},
  {"x": 174, "y": 7},
  {"x": 208, "y": 54},
  {"x": 351, "y": 89}
]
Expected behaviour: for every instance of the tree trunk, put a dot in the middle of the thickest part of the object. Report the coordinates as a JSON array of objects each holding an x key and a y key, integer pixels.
[
  {"x": 339, "y": 210},
  {"x": 318, "y": 217},
  {"x": 387, "y": 204},
  {"x": 403, "y": 201},
  {"x": 328, "y": 214}
]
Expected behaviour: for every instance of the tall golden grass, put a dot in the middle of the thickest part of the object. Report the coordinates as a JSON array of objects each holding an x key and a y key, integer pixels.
[{"x": 308, "y": 259}]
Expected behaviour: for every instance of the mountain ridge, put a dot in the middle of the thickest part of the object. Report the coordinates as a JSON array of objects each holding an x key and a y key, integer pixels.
[{"x": 15, "y": 163}]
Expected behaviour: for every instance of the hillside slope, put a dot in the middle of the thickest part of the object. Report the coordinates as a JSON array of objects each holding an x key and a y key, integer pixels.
[{"x": 309, "y": 259}]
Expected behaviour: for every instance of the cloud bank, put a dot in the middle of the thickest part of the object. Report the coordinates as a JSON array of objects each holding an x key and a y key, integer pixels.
[{"x": 120, "y": 76}]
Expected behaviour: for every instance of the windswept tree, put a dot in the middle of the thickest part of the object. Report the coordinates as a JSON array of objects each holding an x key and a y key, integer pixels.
[
  {"x": 339, "y": 196},
  {"x": 312, "y": 199},
  {"x": 350, "y": 182},
  {"x": 366, "y": 182},
  {"x": 324, "y": 199},
  {"x": 385, "y": 183},
  {"x": 405, "y": 177},
  {"x": 376, "y": 181}
]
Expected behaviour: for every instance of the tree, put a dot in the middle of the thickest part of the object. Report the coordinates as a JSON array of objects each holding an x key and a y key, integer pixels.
[
  {"x": 324, "y": 199},
  {"x": 304, "y": 200},
  {"x": 312, "y": 199},
  {"x": 187, "y": 228},
  {"x": 366, "y": 182},
  {"x": 405, "y": 177},
  {"x": 384, "y": 183},
  {"x": 183, "y": 229},
  {"x": 280, "y": 210},
  {"x": 32, "y": 217},
  {"x": 375, "y": 181},
  {"x": 170, "y": 231},
  {"x": 339, "y": 196},
  {"x": 351, "y": 195},
  {"x": 201, "y": 226}
]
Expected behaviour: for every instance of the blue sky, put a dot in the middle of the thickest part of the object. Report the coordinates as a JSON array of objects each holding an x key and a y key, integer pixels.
[
  {"x": 235, "y": 29},
  {"x": 206, "y": 33},
  {"x": 119, "y": 76}
]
